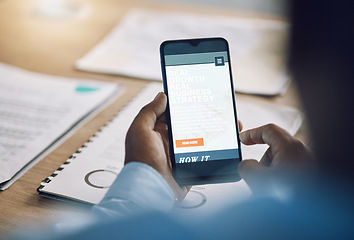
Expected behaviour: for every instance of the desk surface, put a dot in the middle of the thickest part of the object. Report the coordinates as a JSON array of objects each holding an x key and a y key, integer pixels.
[{"x": 52, "y": 46}]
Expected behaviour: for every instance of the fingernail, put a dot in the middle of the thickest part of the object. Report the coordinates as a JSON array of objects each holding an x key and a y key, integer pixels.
[{"x": 158, "y": 95}]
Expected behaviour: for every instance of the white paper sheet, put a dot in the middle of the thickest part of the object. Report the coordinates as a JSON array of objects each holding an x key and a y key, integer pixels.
[
  {"x": 88, "y": 174},
  {"x": 36, "y": 111},
  {"x": 258, "y": 47}
]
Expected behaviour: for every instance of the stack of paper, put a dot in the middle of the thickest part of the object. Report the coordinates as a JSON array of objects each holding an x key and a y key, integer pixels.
[
  {"x": 258, "y": 47},
  {"x": 37, "y": 111}
]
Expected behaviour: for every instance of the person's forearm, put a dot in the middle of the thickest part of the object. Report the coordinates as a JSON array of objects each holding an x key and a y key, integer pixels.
[{"x": 137, "y": 188}]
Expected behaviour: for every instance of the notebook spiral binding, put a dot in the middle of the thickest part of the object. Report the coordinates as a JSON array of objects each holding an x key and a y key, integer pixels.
[
  {"x": 85, "y": 145},
  {"x": 68, "y": 161}
]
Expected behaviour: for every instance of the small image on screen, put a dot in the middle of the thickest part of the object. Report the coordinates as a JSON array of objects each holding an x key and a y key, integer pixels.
[{"x": 201, "y": 106}]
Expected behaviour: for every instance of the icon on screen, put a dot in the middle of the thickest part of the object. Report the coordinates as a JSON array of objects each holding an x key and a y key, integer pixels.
[{"x": 219, "y": 61}]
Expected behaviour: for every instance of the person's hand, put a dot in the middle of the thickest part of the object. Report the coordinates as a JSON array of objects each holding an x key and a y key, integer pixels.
[
  {"x": 286, "y": 162},
  {"x": 147, "y": 142}
]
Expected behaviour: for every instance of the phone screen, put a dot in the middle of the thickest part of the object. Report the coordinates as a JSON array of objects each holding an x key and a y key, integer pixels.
[{"x": 201, "y": 110}]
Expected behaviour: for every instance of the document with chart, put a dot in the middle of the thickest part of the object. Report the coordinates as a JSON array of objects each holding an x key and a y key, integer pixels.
[{"x": 37, "y": 111}]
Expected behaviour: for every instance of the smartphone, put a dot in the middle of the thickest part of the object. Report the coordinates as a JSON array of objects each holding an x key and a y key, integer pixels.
[{"x": 201, "y": 111}]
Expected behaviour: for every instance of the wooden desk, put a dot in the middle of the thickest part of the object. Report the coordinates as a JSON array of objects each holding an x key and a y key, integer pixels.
[{"x": 52, "y": 46}]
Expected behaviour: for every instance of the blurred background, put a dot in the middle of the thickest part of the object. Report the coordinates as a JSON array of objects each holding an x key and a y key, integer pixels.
[{"x": 274, "y": 7}]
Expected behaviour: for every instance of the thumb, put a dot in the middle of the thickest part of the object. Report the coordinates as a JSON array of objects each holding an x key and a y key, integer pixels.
[{"x": 149, "y": 113}]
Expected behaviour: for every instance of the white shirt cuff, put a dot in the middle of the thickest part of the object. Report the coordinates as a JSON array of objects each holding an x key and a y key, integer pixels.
[{"x": 137, "y": 188}]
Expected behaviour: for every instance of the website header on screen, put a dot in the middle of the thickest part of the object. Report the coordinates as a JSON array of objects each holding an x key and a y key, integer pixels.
[{"x": 201, "y": 105}]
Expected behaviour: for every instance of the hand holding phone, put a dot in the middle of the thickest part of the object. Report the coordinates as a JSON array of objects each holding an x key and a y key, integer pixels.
[{"x": 201, "y": 111}]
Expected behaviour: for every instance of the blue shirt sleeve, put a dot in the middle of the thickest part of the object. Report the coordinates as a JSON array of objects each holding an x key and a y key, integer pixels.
[{"x": 137, "y": 188}]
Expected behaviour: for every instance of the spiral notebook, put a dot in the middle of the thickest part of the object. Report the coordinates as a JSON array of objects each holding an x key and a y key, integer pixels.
[{"x": 86, "y": 176}]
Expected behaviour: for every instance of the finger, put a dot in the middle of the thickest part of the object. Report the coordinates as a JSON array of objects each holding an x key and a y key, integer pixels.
[
  {"x": 267, "y": 157},
  {"x": 269, "y": 134},
  {"x": 149, "y": 113},
  {"x": 240, "y": 126},
  {"x": 162, "y": 118},
  {"x": 162, "y": 129}
]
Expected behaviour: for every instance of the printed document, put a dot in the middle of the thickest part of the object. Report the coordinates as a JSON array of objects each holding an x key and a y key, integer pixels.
[
  {"x": 37, "y": 111},
  {"x": 257, "y": 47}
]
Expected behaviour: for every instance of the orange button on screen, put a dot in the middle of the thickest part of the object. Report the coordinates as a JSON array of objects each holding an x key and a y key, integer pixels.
[{"x": 190, "y": 142}]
